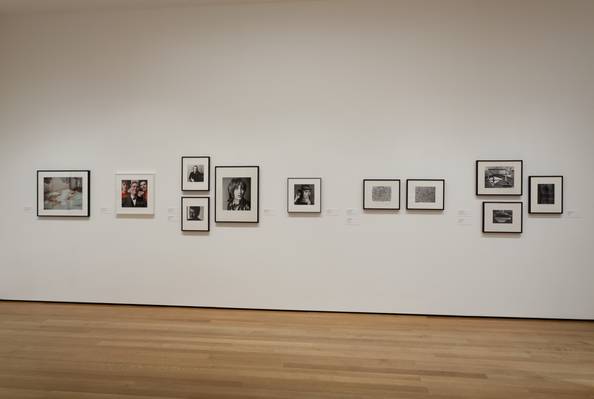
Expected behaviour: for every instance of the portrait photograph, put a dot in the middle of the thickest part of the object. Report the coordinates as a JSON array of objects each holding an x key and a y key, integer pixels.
[
  {"x": 545, "y": 194},
  {"x": 502, "y": 217},
  {"x": 237, "y": 194},
  {"x": 195, "y": 214},
  {"x": 195, "y": 173},
  {"x": 304, "y": 195},
  {"x": 381, "y": 194},
  {"x": 425, "y": 194},
  {"x": 499, "y": 177},
  {"x": 135, "y": 194},
  {"x": 63, "y": 193}
]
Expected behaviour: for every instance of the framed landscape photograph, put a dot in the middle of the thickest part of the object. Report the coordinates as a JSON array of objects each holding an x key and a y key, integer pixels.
[
  {"x": 545, "y": 194},
  {"x": 195, "y": 214},
  {"x": 237, "y": 192},
  {"x": 64, "y": 193},
  {"x": 195, "y": 173},
  {"x": 304, "y": 195},
  {"x": 135, "y": 193},
  {"x": 502, "y": 217},
  {"x": 425, "y": 194},
  {"x": 381, "y": 194},
  {"x": 499, "y": 177}
]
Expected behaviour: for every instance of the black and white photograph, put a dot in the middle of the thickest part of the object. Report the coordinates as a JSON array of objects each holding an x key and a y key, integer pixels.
[
  {"x": 195, "y": 214},
  {"x": 502, "y": 217},
  {"x": 381, "y": 194},
  {"x": 135, "y": 194},
  {"x": 425, "y": 194},
  {"x": 237, "y": 194},
  {"x": 195, "y": 172},
  {"x": 304, "y": 195},
  {"x": 499, "y": 177},
  {"x": 545, "y": 194},
  {"x": 63, "y": 193}
]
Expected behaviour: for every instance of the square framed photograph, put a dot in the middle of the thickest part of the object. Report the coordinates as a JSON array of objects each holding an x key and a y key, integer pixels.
[
  {"x": 64, "y": 193},
  {"x": 499, "y": 177},
  {"x": 195, "y": 214},
  {"x": 503, "y": 217},
  {"x": 304, "y": 195},
  {"x": 545, "y": 194},
  {"x": 381, "y": 194},
  {"x": 237, "y": 192},
  {"x": 135, "y": 193},
  {"x": 195, "y": 173},
  {"x": 425, "y": 194}
]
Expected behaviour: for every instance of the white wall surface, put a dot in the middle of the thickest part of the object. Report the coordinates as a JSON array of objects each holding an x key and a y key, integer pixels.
[{"x": 344, "y": 90}]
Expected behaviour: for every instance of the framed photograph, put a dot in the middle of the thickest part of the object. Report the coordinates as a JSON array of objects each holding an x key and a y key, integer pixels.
[
  {"x": 381, "y": 194},
  {"x": 304, "y": 195},
  {"x": 135, "y": 194},
  {"x": 545, "y": 194},
  {"x": 425, "y": 194},
  {"x": 237, "y": 192},
  {"x": 64, "y": 193},
  {"x": 502, "y": 217},
  {"x": 195, "y": 214},
  {"x": 499, "y": 177},
  {"x": 195, "y": 173}
]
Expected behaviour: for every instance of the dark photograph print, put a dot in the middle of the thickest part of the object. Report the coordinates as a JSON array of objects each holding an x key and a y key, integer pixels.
[
  {"x": 425, "y": 194},
  {"x": 381, "y": 194},
  {"x": 195, "y": 173},
  {"x": 499, "y": 176},
  {"x": 63, "y": 193},
  {"x": 503, "y": 216},
  {"x": 304, "y": 194},
  {"x": 195, "y": 214},
  {"x": 545, "y": 194},
  {"x": 238, "y": 193},
  {"x": 496, "y": 177},
  {"x": 134, "y": 193}
]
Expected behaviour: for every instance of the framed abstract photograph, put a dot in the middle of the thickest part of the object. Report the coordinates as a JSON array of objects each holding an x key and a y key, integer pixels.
[
  {"x": 237, "y": 192},
  {"x": 64, "y": 193},
  {"x": 195, "y": 214},
  {"x": 545, "y": 194},
  {"x": 425, "y": 194},
  {"x": 195, "y": 173},
  {"x": 502, "y": 217},
  {"x": 499, "y": 177},
  {"x": 304, "y": 195},
  {"x": 135, "y": 194},
  {"x": 381, "y": 194}
]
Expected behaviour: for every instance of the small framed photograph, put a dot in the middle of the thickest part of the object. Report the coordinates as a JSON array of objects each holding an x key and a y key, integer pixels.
[
  {"x": 237, "y": 192},
  {"x": 64, "y": 193},
  {"x": 135, "y": 194},
  {"x": 381, "y": 194},
  {"x": 425, "y": 194},
  {"x": 195, "y": 173},
  {"x": 195, "y": 214},
  {"x": 499, "y": 177},
  {"x": 304, "y": 195},
  {"x": 502, "y": 217},
  {"x": 545, "y": 194}
]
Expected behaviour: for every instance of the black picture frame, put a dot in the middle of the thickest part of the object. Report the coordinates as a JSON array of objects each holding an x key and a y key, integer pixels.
[
  {"x": 506, "y": 203},
  {"x": 182, "y": 213},
  {"x": 183, "y": 180},
  {"x": 476, "y": 178},
  {"x": 425, "y": 209},
  {"x": 217, "y": 199},
  {"x": 530, "y": 195},
  {"x": 88, "y": 202},
  {"x": 367, "y": 208},
  {"x": 319, "y": 205}
]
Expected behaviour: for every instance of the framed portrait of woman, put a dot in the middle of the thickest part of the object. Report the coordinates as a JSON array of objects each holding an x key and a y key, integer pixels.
[
  {"x": 237, "y": 192},
  {"x": 304, "y": 195}
]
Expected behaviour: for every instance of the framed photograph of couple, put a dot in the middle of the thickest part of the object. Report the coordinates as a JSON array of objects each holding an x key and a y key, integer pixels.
[
  {"x": 195, "y": 214},
  {"x": 545, "y": 194},
  {"x": 135, "y": 193},
  {"x": 237, "y": 192},
  {"x": 65, "y": 193},
  {"x": 499, "y": 177},
  {"x": 425, "y": 194},
  {"x": 502, "y": 217},
  {"x": 381, "y": 194},
  {"x": 195, "y": 173},
  {"x": 304, "y": 195}
]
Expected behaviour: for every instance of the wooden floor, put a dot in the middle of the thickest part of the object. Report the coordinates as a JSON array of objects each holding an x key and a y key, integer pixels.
[{"x": 67, "y": 351}]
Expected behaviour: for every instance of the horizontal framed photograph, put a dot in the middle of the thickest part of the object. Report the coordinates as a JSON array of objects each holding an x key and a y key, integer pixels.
[
  {"x": 135, "y": 193},
  {"x": 237, "y": 192},
  {"x": 304, "y": 195},
  {"x": 425, "y": 194},
  {"x": 499, "y": 177},
  {"x": 64, "y": 193},
  {"x": 195, "y": 173},
  {"x": 195, "y": 214},
  {"x": 381, "y": 194},
  {"x": 502, "y": 217},
  {"x": 545, "y": 194}
]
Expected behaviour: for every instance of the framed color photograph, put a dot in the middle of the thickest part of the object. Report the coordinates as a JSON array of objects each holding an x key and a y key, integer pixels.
[
  {"x": 304, "y": 195},
  {"x": 425, "y": 194},
  {"x": 64, "y": 193},
  {"x": 195, "y": 214},
  {"x": 545, "y": 194},
  {"x": 195, "y": 173},
  {"x": 499, "y": 177},
  {"x": 237, "y": 192},
  {"x": 502, "y": 217},
  {"x": 381, "y": 194},
  {"x": 135, "y": 194}
]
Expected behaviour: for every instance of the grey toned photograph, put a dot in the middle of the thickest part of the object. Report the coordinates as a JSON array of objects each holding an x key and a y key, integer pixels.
[
  {"x": 499, "y": 177},
  {"x": 503, "y": 216},
  {"x": 304, "y": 194},
  {"x": 195, "y": 213},
  {"x": 381, "y": 193},
  {"x": 238, "y": 193},
  {"x": 425, "y": 194},
  {"x": 195, "y": 173},
  {"x": 545, "y": 194},
  {"x": 63, "y": 193}
]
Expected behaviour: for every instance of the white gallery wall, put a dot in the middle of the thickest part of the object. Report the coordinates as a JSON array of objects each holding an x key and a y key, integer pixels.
[{"x": 343, "y": 90}]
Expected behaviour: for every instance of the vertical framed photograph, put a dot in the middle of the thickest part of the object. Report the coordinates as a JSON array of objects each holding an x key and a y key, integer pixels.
[
  {"x": 195, "y": 173},
  {"x": 381, "y": 194},
  {"x": 425, "y": 194},
  {"x": 64, "y": 193},
  {"x": 499, "y": 177},
  {"x": 195, "y": 214},
  {"x": 135, "y": 193},
  {"x": 237, "y": 192},
  {"x": 545, "y": 194},
  {"x": 502, "y": 217},
  {"x": 304, "y": 195}
]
